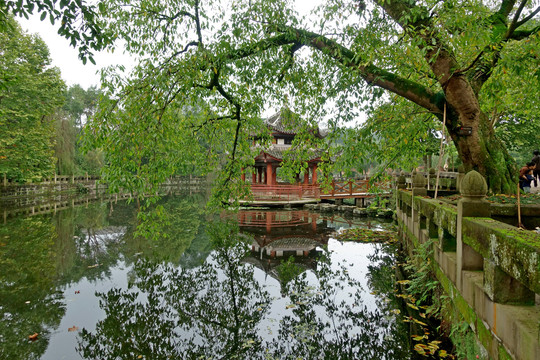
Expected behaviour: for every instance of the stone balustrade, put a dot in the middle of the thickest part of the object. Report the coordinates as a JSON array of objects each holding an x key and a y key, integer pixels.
[
  {"x": 490, "y": 270},
  {"x": 447, "y": 180}
]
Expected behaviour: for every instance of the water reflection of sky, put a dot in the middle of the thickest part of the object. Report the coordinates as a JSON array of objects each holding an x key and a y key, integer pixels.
[{"x": 106, "y": 256}]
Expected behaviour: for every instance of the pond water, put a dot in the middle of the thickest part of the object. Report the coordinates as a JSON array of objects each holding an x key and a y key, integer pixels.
[{"x": 259, "y": 284}]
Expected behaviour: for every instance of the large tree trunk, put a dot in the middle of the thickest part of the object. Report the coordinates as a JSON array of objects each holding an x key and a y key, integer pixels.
[{"x": 480, "y": 150}]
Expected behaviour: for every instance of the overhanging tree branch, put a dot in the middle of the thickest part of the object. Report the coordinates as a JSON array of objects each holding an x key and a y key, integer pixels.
[
  {"x": 513, "y": 25},
  {"x": 528, "y": 17}
]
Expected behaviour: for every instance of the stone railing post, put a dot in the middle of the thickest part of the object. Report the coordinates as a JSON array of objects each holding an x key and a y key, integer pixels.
[
  {"x": 395, "y": 176},
  {"x": 431, "y": 179},
  {"x": 499, "y": 286},
  {"x": 473, "y": 189},
  {"x": 418, "y": 189},
  {"x": 461, "y": 174},
  {"x": 401, "y": 181},
  {"x": 419, "y": 184}
]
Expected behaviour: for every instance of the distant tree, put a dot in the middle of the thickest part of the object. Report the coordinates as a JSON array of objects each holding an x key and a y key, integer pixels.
[
  {"x": 30, "y": 91},
  {"x": 65, "y": 143},
  {"x": 80, "y": 104}
]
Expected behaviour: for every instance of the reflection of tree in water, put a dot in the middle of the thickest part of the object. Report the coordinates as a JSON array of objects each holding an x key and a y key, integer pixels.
[
  {"x": 218, "y": 311},
  {"x": 29, "y": 303},
  {"x": 165, "y": 231},
  {"x": 95, "y": 238},
  {"x": 382, "y": 280},
  {"x": 209, "y": 311},
  {"x": 87, "y": 245}
]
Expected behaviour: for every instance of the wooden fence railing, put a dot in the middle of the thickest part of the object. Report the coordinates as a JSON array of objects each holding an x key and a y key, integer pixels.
[
  {"x": 278, "y": 192},
  {"x": 284, "y": 192}
]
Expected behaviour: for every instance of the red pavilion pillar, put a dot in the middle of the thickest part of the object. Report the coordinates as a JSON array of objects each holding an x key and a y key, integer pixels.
[
  {"x": 314, "y": 175},
  {"x": 269, "y": 176}
]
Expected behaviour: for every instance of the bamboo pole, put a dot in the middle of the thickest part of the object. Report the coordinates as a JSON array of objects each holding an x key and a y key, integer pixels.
[
  {"x": 520, "y": 225},
  {"x": 440, "y": 154}
]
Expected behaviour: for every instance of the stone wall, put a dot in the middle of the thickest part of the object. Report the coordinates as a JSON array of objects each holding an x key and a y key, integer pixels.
[{"x": 490, "y": 270}]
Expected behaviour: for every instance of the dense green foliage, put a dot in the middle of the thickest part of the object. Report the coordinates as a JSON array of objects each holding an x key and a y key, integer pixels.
[
  {"x": 208, "y": 69},
  {"x": 40, "y": 121},
  {"x": 30, "y": 91},
  {"x": 404, "y": 63}
]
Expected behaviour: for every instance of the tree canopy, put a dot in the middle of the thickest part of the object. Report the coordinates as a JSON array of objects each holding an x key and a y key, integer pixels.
[
  {"x": 452, "y": 61},
  {"x": 30, "y": 91}
]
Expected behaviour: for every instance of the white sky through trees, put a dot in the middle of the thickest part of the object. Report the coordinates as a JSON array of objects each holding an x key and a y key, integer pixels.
[{"x": 65, "y": 57}]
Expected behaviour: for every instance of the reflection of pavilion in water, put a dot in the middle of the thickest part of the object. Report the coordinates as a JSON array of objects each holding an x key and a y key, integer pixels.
[
  {"x": 278, "y": 235},
  {"x": 284, "y": 233}
]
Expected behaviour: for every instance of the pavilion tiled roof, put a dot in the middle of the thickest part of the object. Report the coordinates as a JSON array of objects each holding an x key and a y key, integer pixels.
[
  {"x": 278, "y": 152},
  {"x": 287, "y": 122},
  {"x": 294, "y": 243}
]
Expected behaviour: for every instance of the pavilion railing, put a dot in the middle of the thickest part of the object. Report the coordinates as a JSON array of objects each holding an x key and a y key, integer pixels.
[{"x": 284, "y": 192}]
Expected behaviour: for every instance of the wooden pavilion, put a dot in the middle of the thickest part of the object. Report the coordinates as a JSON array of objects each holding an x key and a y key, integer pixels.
[{"x": 283, "y": 127}]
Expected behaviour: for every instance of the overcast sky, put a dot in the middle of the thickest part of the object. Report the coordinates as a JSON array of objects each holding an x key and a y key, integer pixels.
[{"x": 65, "y": 56}]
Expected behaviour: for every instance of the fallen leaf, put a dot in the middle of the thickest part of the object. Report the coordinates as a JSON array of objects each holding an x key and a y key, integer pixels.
[
  {"x": 403, "y": 282},
  {"x": 77, "y": 291},
  {"x": 33, "y": 337},
  {"x": 74, "y": 328},
  {"x": 419, "y": 322}
]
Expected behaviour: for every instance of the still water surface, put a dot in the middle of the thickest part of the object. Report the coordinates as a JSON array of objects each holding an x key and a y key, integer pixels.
[{"x": 255, "y": 285}]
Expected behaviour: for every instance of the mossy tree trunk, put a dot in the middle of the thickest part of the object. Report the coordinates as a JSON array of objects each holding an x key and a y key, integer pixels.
[{"x": 483, "y": 152}]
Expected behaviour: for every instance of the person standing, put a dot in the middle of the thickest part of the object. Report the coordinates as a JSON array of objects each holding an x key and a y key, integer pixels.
[
  {"x": 524, "y": 180},
  {"x": 536, "y": 171}
]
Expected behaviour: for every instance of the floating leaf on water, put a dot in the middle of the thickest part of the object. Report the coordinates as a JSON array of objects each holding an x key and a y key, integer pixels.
[
  {"x": 419, "y": 349},
  {"x": 443, "y": 353},
  {"x": 73, "y": 328},
  {"x": 419, "y": 322}
]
